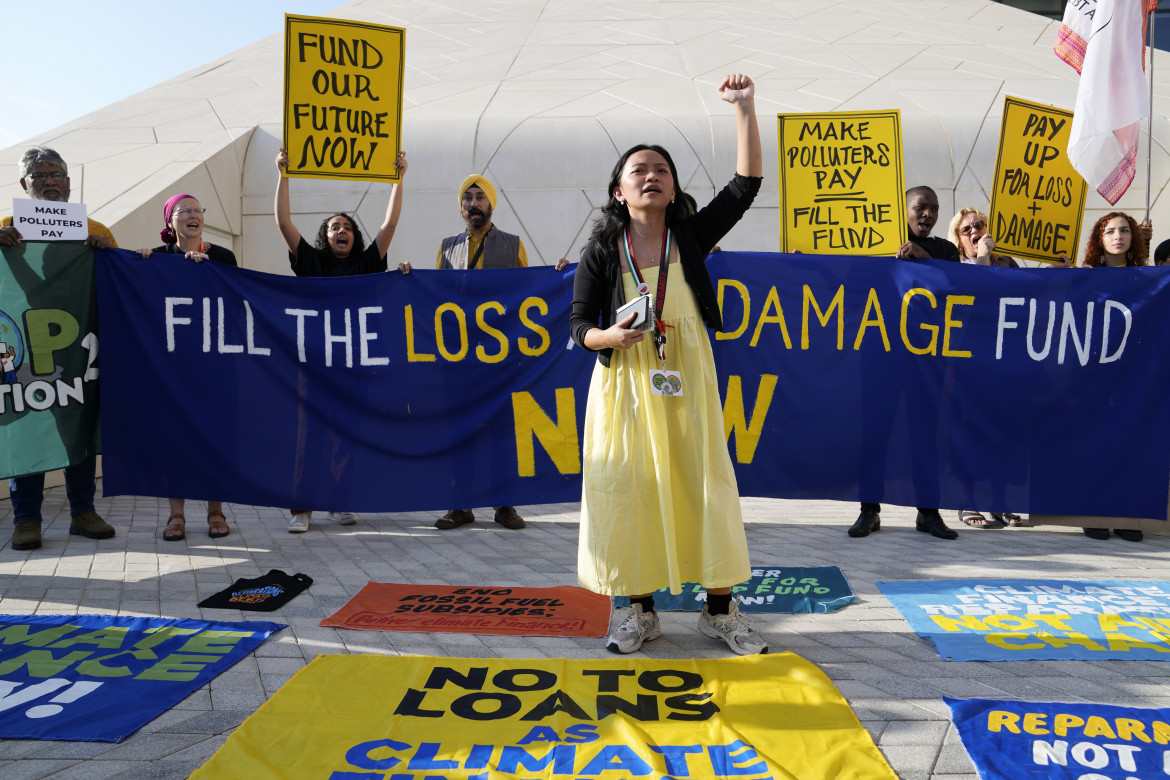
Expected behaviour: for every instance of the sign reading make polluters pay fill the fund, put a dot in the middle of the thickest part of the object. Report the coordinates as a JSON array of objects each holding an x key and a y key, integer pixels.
[
  {"x": 841, "y": 190},
  {"x": 342, "y": 98}
]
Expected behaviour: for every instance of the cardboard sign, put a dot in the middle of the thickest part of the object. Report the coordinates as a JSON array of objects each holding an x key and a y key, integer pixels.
[
  {"x": 47, "y": 220},
  {"x": 342, "y": 98},
  {"x": 841, "y": 186},
  {"x": 1038, "y": 198},
  {"x": 558, "y": 611},
  {"x": 347, "y": 717}
]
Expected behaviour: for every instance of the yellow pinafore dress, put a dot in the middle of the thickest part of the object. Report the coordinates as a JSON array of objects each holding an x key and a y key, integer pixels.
[{"x": 660, "y": 505}]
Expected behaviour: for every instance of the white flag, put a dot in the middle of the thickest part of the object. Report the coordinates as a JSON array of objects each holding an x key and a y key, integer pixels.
[{"x": 1111, "y": 99}]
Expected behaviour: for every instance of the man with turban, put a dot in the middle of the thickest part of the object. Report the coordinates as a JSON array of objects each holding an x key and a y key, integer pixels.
[{"x": 481, "y": 245}]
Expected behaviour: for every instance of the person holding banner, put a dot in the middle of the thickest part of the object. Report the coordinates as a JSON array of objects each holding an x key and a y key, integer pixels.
[
  {"x": 339, "y": 250},
  {"x": 182, "y": 234},
  {"x": 45, "y": 176},
  {"x": 660, "y": 504}
]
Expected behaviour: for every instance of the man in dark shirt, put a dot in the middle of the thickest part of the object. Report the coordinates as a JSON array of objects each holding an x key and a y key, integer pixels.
[{"x": 921, "y": 215}]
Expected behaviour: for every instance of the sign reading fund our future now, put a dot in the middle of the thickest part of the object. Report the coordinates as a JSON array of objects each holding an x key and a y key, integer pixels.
[
  {"x": 1038, "y": 198},
  {"x": 342, "y": 98},
  {"x": 841, "y": 185}
]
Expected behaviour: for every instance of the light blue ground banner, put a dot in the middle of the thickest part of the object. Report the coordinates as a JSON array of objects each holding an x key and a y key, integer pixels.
[
  {"x": 789, "y": 589},
  {"x": 1038, "y": 620},
  {"x": 98, "y": 678},
  {"x": 920, "y": 383},
  {"x": 1014, "y": 740}
]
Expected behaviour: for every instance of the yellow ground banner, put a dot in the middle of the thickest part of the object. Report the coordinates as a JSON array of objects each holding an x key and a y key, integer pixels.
[
  {"x": 841, "y": 185},
  {"x": 342, "y": 98},
  {"x": 416, "y": 717},
  {"x": 1038, "y": 198}
]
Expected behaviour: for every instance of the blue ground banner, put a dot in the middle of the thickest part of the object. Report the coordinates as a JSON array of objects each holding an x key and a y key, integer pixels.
[
  {"x": 790, "y": 589},
  {"x": 1011, "y": 740},
  {"x": 98, "y": 678},
  {"x": 919, "y": 383},
  {"x": 1038, "y": 620},
  {"x": 48, "y": 357}
]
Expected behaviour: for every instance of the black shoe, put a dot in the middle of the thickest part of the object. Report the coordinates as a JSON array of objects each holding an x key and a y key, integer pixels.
[
  {"x": 1129, "y": 534},
  {"x": 867, "y": 522},
  {"x": 454, "y": 519},
  {"x": 931, "y": 522},
  {"x": 507, "y": 517},
  {"x": 1100, "y": 534}
]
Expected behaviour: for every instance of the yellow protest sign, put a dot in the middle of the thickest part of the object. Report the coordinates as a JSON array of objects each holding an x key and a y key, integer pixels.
[
  {"x": 342, "y": 98},
  {"x": 841, "y": 187},
  {"x": 461, "y": 718},
  {"x": 1037, "y": 199}
]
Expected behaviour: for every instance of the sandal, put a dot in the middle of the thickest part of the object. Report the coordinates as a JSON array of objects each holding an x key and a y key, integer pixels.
[
  {"x": 176, "y": 528},
  {"x": 217, "y": 529},
  {"x": 973, "y": 519},
  {"x": 1012, "y": 520}
]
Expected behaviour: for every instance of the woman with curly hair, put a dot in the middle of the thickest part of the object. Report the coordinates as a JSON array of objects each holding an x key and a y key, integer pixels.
[
  {"x": 1117, "y": 241},
  {"x": 340, "y": 250}
]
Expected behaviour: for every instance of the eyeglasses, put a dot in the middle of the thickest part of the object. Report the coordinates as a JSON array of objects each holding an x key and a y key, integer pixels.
[
  {"x": 190, "y": 212},
  {"x": 973, "y": 227},
  {"x": 57, "y": 175}
]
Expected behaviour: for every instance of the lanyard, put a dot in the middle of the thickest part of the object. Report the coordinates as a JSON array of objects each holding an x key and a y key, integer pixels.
[
  {"x": 643, "y": 288},
  {"x": 479, "y": 249}
]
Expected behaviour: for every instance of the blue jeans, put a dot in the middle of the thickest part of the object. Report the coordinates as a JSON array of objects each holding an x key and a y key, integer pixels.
[{"x": 29, "y": 491}]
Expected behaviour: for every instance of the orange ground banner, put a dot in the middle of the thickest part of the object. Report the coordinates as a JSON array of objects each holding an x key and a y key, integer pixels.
[{"x": 558, "y": 611}]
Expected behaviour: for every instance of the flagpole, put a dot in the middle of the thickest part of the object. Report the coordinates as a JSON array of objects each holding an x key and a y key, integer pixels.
[{"x": 1150, "y": 124}]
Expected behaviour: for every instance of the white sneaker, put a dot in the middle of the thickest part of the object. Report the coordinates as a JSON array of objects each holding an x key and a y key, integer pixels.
[
  {"x": 299, "y": 522},
  {"x": 651, "y": 628},
  {"x": 732, "y": 629},
  {"x": 626, "y": 632},
  {"x": 343, "y": 518}
]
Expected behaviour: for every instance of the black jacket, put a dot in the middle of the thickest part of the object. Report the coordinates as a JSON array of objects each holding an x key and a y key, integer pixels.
[{"x": 598, "y": 292}]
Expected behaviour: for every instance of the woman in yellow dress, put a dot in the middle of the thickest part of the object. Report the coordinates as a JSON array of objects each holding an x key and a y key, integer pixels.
[{"x": 660, "y": 504}]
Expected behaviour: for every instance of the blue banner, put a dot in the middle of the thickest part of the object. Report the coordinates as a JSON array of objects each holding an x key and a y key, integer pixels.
[
  {"x": 1038, "y": 620},
  {"x": 99, "y": 678},
  {"x": 919, "y": 383},
  {"x": 791, "y": 589},
  {"x": 1011, "y": 740}
]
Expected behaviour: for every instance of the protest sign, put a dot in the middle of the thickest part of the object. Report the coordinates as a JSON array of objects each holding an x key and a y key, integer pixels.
[
  {"x": 558, "y": 611},
  {"x": 465, "y": 718},
  {"x": 322, "y": 387},
  {"x": 46, "y": 220},
  {"x": 100, "y": 678},
  {"x": 342, "y": 98},
  {"x": 48, "y": 357},
  {"x": 771, "y": 589},
  {"x": 1044, "y": 620},
  {"x": 1038, "y": 198},
  {"x": 1010, "y": 740},
  {"x": 841, "y": 187}
]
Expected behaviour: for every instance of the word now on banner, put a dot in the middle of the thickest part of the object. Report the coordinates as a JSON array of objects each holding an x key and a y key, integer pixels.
[
  {"x": 478, "y": 718},
  {"x": 1038, "y": 620},
  {"x": 920, "y": 383}
]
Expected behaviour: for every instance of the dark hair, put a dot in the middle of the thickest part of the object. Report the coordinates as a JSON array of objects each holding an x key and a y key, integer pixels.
[
  {"x": 322, "y": 242},
  {"x": 921, "y": 188},
  {"x": 615, "y": 217},
  {"x": 1162, "y": 253},
  {"x": 1138, "y": 254}
]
